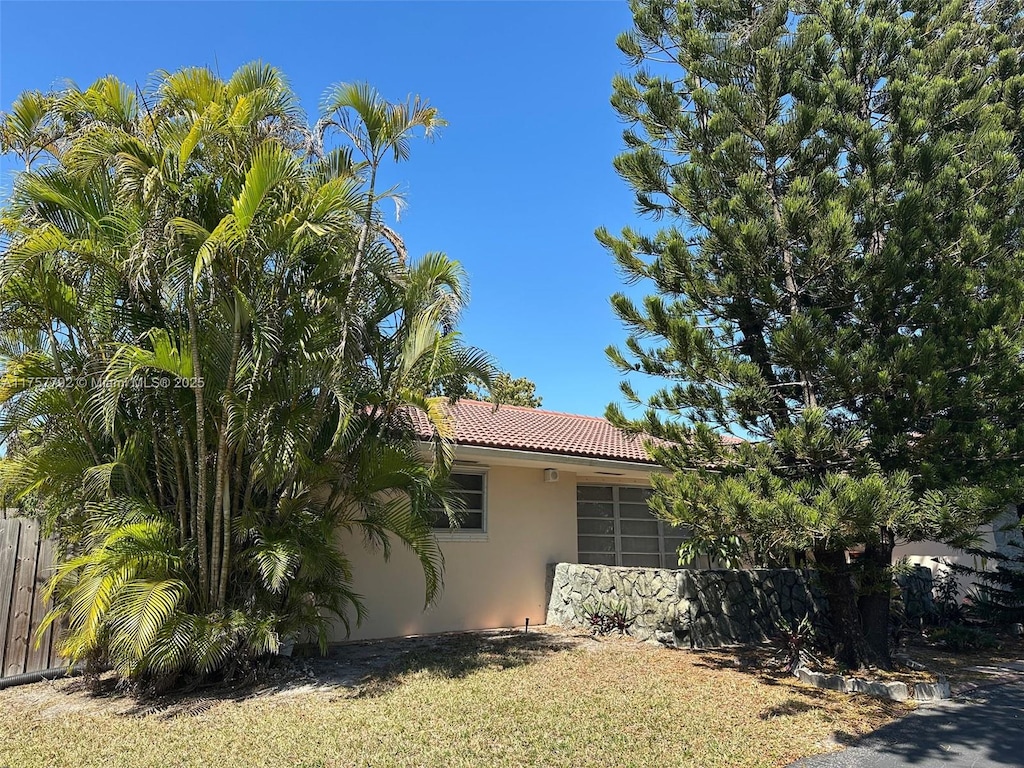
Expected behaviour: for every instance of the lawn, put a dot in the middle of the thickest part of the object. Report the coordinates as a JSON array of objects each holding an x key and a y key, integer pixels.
[{"x": 543, "y": 699}]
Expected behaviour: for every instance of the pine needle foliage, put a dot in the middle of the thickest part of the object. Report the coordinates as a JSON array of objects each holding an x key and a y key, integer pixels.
[{"x": 838, "y": 278}]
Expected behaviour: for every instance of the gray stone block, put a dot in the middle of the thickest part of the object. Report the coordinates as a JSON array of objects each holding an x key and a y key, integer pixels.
[
  {"x": 665, "y": 638},
  {"x": 897, "y": 691},
  {"x": 886, "y": 690},
  {"x": 834, "y": 683},
  {"x": 932, "y": 691},
  {"x": 811, "y": 678}
]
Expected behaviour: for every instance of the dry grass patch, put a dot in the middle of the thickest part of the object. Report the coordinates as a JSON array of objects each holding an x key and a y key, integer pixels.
[
  {"x": 538, "y": 700},
  {"x": 761, "y": 660}
]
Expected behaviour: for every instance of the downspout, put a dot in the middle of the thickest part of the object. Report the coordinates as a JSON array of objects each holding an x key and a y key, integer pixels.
[{"x": 38, "y": 676}]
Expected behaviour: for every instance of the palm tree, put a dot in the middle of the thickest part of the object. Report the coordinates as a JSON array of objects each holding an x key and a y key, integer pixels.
[
  {"x": 375, "y": 128},
  {"x": 181, "y": 270}
]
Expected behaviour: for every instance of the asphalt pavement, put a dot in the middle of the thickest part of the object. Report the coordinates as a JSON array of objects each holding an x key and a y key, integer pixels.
[{"x": 982, "y": 729}]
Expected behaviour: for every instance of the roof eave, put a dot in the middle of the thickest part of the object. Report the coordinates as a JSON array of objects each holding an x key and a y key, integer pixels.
[{"x": 493, "y": 455}]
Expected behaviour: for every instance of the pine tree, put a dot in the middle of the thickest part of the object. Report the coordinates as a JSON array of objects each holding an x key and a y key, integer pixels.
[{"x": 840, "y": 280}]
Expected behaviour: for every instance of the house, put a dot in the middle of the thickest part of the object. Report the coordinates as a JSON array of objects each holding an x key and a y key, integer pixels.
[
  {"x": 541, "y": 487},
  {"x": 1004, "y": 534}
]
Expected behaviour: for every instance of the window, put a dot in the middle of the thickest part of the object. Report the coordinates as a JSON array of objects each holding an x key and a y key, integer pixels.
[
  {"x": 615, "y": 527},
  {"x": 473, "y": 492}
]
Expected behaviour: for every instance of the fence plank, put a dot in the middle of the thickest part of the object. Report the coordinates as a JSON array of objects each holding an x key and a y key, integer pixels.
[
  {"x": 20, "y": 624},
  {"x": 10, "y": 530},
  {"x": 39, "y": 646},
  {"x": 53, "y": 658}
]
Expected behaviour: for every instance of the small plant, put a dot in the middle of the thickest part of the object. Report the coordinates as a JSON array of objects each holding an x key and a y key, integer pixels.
[
  {"x": 948, "y": 610},
  {"x": 795, "y": 640},
  {"x": 603, "y": 619},
  {"x": 963, "y": 639}
]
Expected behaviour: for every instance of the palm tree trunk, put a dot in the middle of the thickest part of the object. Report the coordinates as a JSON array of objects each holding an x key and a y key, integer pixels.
[
  {"x": 181, "y": 495},
  {"x": 197, "y": 387},
  {"x": 222, "y": 587},
  {"x": 364, "y": 237},
  {"x": 221, "y": 495},
  {"x": 158, "y": 469},
  {"x": 190, "y": 481}
]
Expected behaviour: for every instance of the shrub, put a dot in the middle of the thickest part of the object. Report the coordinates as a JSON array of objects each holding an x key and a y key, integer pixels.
[
  {"x": 948, "y": 609},
  {"x": 963, "y": 639}
]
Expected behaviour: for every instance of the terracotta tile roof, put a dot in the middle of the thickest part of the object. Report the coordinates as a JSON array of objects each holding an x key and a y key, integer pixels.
[{"x": 531, "y": 429}]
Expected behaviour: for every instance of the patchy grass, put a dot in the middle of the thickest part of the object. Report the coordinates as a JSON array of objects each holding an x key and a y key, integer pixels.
[
  {"x": 474, "y": 700},
  {"x": 759, "y": 659}
]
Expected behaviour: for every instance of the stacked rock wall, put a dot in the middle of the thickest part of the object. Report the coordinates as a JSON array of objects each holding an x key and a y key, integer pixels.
[
  {"x": 650, "y": 596},
  {"x": 705, "y": 608},
  {"x": 731, "y": 606}
]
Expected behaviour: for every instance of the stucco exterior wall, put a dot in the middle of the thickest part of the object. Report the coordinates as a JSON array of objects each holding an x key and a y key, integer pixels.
[
  {"x": 498, "y": 582},
  {"x": 993, "y": 538}
]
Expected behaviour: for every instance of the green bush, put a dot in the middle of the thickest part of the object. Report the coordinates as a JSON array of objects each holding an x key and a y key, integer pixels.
[{"x": 963, "y": 639}]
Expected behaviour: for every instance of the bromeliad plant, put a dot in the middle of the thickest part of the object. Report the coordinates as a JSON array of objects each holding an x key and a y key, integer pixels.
[
  {"x": 211, "y": 350},
  {"x": 795, "y": 640},
  {"x": 605, "y": 618}
]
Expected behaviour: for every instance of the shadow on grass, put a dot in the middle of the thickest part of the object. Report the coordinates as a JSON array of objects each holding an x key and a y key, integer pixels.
[
  {"x": 787, "y": 708},
  {"x": 762, "y": 663},
  {"x": 447, "y": 656},
  {"x": 183, "y": 702},
  {"x": 758, "y": 661},
  {"x": 352, "y": 670}
]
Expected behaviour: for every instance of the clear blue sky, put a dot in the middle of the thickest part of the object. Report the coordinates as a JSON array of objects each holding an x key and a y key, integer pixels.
[{"x": 513, "y": 189}]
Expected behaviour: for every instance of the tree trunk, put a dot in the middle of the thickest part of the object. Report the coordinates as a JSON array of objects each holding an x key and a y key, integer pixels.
[
  {"x": 199, "y": 525},
  {"x": 221, "y": 547},
  {"x": 364, "y": 238},
  {"x": 850, "y": 647},
  {"x": 876, "y": 588}
]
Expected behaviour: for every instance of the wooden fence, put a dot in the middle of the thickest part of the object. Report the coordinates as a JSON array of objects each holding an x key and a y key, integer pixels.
[{"x": 26, "y": 562}]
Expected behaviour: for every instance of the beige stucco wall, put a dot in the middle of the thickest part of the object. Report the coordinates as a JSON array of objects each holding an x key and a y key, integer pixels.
[
  {"x": 494, "y": 583},
  {"x": 932, "y": 554}
]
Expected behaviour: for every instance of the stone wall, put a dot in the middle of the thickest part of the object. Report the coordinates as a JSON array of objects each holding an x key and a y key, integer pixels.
[
  {"x": 689, "y": 608},
  {"x": 731, "y": 606},
  {"x": 707, "y": 608},
  {"x": 650, "y": 596}
]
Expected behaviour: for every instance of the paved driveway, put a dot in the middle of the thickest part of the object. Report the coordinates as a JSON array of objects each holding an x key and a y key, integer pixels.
[{"x": 983, "y": 729}]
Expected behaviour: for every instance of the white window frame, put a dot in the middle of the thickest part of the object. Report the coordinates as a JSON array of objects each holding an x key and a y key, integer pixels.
[
  {"x": 468, "y": 534},
  {"x": 666, "y": 559}
]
